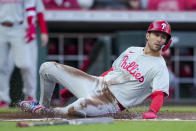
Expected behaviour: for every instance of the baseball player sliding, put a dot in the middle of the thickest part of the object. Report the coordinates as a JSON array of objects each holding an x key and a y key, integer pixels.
[{"x": 137, "y": 73}]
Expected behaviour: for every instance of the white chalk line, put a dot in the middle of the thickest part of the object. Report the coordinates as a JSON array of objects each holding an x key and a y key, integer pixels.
[{"x": 42, "y": 119}]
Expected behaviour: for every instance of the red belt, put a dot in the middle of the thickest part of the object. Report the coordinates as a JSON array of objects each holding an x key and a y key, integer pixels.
[{"x": 9, "y": 24}]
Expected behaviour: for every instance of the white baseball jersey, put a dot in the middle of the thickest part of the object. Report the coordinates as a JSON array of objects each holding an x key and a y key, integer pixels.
[
  {"x": 136, "y": 75},
  {"x": 13, "y": 10},
  {"x": 39, "y": 6},
  {"x": 39, "y": 9}
]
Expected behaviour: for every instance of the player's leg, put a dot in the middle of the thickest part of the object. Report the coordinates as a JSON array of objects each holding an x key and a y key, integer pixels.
[
  {"x": 101, "y": 103},
  {"x": 94, "y": 97},
  {"x": 4, "y": 76},
  {"x": 19, "y": 48},
  {"x": 29, "y": 75},
  {"x": 76, "y": 81},
  {"x": 11, "y": 64},
  {"x": 95, "y": 106}
]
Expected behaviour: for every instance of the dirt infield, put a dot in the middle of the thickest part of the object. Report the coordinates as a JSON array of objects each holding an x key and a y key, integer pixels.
[{"x": 122, "y": 115}]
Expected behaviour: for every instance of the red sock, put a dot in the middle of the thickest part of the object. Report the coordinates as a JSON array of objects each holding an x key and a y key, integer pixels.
[{"x": 157, "y": 101}]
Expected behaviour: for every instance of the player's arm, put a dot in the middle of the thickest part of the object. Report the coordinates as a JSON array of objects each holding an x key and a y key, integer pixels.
[
  {"x": 160, "y": 89},
  {"x": 43, "y": 28},
  {"x": 30, "y": 13},
  {"x": 105, "y": 73},
  {"x": 41, "y": 22},
  {"x": 156, "y": 104}
]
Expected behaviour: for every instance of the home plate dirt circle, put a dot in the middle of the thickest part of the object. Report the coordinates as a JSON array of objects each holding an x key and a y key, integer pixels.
[{"x": 123, "y": 116}]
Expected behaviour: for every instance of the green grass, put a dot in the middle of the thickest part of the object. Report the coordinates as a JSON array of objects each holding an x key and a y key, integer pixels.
[
  {"x": 117, "y": 126},
  {"x": 167, "y": 109},
  {"x": 179, "y": 109},
  {"x": 9, "y": 110}
]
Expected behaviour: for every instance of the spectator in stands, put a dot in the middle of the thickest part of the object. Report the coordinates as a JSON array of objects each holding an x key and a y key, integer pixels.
[
  {"x": 166, "y": 5},
  {"x": 186, "y": 70},
  {"x": 62, "y": 4},
  {"x": 144, "y": 4},
  {"x": 68, "y": 4},
  {"x": 190, "y": 5},
  {"x": 134, "y": 4},
  {"x": 86, "y": 4},
  {"x": 110, "y": 4}
]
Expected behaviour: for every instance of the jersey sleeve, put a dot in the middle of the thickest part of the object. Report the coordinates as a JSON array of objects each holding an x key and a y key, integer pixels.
[
  {"x": 40, "y": 17},
  {"x": 30, "y": 10},
  {"x": 161, "y": 80},
  {"x": 30, "y": 7},
  {"x": 39, "y": 6}
]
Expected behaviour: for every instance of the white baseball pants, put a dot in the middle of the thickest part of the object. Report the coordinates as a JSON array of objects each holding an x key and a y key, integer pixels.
[
  {"x": 12, "y": 39},
  {"x": 29, "y": 75},
  {"x": 93, "y": 97}
]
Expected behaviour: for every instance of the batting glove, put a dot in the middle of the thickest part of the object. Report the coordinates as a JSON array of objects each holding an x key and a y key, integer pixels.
[
  {"x": 31, "y": 33},
  {"x": 149, "y": 115}
]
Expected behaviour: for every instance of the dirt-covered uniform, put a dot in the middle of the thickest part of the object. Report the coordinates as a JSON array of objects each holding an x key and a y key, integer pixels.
[
  {"x": 134, "y": 77},
  {"x": 137, "y": 73}
]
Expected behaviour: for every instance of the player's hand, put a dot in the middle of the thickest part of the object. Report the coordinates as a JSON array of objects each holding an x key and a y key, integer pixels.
[
  {"x": 44, "y": 39},
  {"x": 31, "y": 33},
  {"x": 149, "y": 115}
]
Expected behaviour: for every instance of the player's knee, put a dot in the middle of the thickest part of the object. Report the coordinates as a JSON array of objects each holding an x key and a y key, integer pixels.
[
  {"x": 45, "y": 67},
  {"x": 77, "y": 110}
]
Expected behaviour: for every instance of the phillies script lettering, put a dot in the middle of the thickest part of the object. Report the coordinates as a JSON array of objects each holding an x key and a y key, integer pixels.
[{"x": 132, "y": 69}]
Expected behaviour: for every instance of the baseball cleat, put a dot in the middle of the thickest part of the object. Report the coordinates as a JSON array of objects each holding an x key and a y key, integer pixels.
[
  {"x": 35, "y": 108},
  {"x": 31, "y": 106},
  {"x": 149, "y": 115}
]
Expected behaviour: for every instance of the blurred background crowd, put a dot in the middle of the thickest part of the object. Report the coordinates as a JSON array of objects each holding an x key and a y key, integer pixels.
[{"x": 162, "y": 5}]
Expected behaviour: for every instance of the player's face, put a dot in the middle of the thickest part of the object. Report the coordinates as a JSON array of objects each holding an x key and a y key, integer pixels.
[{"x": 156, "y": 40}]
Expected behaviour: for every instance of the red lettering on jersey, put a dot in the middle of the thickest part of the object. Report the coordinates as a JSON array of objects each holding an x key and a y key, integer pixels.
[
  {"x": 141, "y": 79},
  {"x": 124, "y": 62},
  {"x": 137, "y": 76},
  {"x": 132, "y": 69}
]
